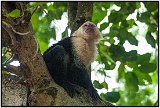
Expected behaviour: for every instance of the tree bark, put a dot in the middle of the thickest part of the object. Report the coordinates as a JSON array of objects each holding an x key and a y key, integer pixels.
[
  {"x": 72, "y": 11},
  {"x": 39, "y": 89},
  {"x": 13, "y": 95}
]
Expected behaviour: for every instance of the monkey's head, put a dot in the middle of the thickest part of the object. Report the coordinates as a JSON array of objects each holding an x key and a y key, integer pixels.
[{"x": 88, "y": 31}]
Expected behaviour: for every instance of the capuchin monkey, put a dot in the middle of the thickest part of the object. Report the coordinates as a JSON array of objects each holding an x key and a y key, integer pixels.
[{"x": 69, "y": 60}]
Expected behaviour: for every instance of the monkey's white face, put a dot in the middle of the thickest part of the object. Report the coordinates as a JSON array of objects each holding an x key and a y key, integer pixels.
[
  {"x": 89, "y": 31},
  {"x": 89, "y": 28}
]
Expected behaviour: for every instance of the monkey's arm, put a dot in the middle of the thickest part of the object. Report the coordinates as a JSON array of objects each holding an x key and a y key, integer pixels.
[{"x": 56, "y": 59}]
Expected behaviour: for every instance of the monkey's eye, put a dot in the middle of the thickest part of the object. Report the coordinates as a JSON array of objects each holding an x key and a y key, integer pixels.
[{"x": 85, "y": 25}]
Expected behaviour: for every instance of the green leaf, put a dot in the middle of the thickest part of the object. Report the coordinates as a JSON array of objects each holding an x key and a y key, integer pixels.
[
  {"x": 131, "y": 22},
  {"x": 54, "y": 13},
  {"x": 37, "y": 3},
  {"x": 126, "y": 8},
  {"x": 15, "y": 13},
  {"x": 131, "y": 56},
  {"x": 143, "y": 58},
  {"x": 98, "y": 15},
  {"x": 124, "y": 23},
  {"x": 152, "y": 27},
  {"x": 148, "y": 67},
  {"x": 120, "y": 4},
  {"x": 41, "y": 3},
  {"x": 112, "y": 33},
  {"x": 132, "y": 64},
  {"x": 35, "y": 22},
  {"x": 115, "y": 17},
  {"x": 4, "y": 49},
  {"x": 109, "y": 66},
  {"x": 105, "y": 85},
  {"x": 150, "y": 39},
  {"x": 102, "y": 72},
  {"x": 97, "y": 84},
  {"x": 107, "y": 60},
  {"x": 123, "y": 32},
  {"x": 151, "y": 6},
  {"x": 117, "y": 50},
  {"x": 143, "y": 78},
  {"x": 5, "y": 72},
  {"x": 121, "y": 71},
  {"x": 132, "y": 39},
  {"x": 99, "y": 5},
  {"x": 111, "y": 96},
  {"x": 4, "y": 58},
  {"x": 122, "y": 35},
  {"x": 5, "y": 23},
  {"x": 131, "y": 81},
  {"x": 104, "y": 26},
  {"x": 43, "y": 46},
  {"x": 118, "y": 53},
  {"x": 144, "y": 16},
  {"x": 138, "y": 5}
]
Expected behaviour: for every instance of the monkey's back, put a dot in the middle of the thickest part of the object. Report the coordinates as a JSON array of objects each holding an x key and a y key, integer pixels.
[{"x": 66, "y": 43}]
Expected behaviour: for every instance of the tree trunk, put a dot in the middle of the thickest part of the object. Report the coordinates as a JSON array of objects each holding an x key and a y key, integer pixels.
[{"x": 33, "y": 85}]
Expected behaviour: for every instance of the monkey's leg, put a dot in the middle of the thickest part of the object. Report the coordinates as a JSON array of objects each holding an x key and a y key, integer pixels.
[
  {"x": 56, "y": 61},
  {"x": 80, "y": 77}
]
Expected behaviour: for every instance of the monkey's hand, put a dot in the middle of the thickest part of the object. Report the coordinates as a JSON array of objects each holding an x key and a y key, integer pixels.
[{"x": 70, "y": 89}]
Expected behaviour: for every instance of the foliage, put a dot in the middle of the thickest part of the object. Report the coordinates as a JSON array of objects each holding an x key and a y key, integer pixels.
[
  {"x": 6, "y": 54},
  {"x": 140, "y": 64},
  {"x": 138, "y": 82},
  {"x": 110, "y": 96},
  {"x": 15, "y": 13},
  {"x": 42, "y": 23}
]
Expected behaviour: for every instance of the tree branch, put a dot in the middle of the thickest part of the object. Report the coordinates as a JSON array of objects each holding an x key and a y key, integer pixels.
[
  {"x": 6, "y": 40},
  {"x": 12, "y": 69},
  {"x": 8, "y": 32}
]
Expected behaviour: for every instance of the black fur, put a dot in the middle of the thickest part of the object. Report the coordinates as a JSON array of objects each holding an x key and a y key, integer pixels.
[{"x": 66, "y": 70}]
